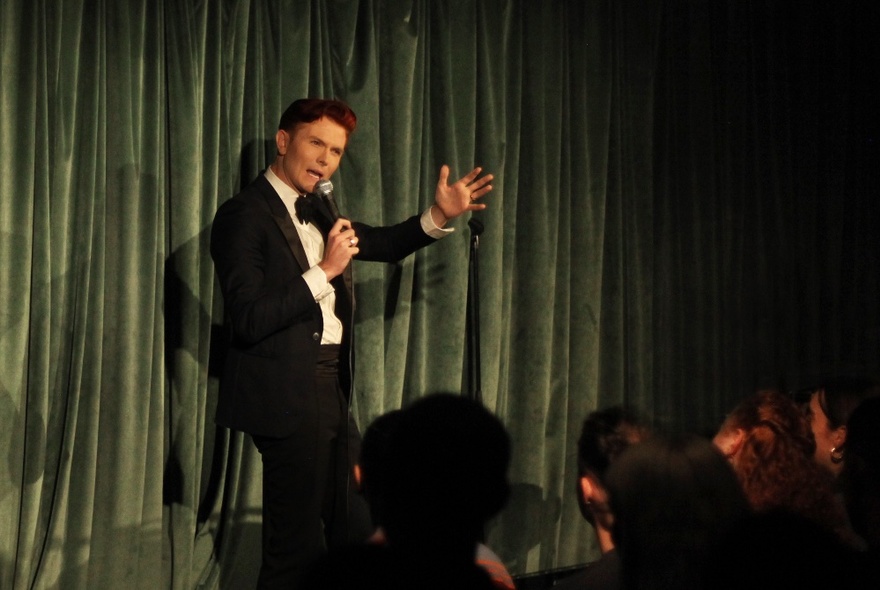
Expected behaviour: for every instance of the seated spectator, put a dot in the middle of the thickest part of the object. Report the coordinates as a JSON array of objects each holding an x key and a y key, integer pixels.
[
  {"x": 673, "y": 498},
  {"x": 829, "y": 408},
  {"x": 768, "y": 442},
  {"x": 860, "y": 477},
  {"x": 445, "y": 477},
  {"x": 368, "y": 473},
  {"x": 604, "y": 435}
]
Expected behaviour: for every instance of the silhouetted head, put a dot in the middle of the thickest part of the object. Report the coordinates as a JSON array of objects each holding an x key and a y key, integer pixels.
[
  {"x": 373, "y": 462},
  {"x": 446, "y": 473},
  {"x": 604, "y": 435},
  {"x": 671, "y": 498},
  {"x": 860, "y": 478}
]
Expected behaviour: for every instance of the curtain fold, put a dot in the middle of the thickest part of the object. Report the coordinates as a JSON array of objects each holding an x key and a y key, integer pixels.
[{"x": 684, "y": 209}]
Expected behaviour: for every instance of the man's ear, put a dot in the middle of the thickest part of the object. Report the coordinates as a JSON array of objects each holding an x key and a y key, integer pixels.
[
  {"x": 586, "y": 488},
  {"x": 730, "y": 441},
  {"x": 282, "y": 139},
  {"x": 358, "y": 478}
]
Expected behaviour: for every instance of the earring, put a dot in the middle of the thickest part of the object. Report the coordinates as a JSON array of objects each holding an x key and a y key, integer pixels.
[{"x": 837, "y": 455}]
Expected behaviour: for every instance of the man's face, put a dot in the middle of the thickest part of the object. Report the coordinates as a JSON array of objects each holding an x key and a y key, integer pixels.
[{"x": 311, "y": 153}]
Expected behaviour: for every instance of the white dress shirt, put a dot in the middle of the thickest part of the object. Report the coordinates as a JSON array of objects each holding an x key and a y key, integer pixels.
[{"x": 313, "y": 244}]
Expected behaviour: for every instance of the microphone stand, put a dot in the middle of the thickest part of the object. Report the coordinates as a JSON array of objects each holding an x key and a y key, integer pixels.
[{"x": 473, "y": 313}]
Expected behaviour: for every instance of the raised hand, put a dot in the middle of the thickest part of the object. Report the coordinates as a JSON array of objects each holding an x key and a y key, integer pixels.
[{"x": 451, "y": 200}]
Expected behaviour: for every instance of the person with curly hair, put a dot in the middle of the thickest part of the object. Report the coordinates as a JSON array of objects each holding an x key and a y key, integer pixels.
[{"x": 768, "y": 441}]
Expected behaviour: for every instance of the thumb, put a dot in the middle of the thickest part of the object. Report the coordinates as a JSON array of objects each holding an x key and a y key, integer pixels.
[{"x": 444, "y": 176}]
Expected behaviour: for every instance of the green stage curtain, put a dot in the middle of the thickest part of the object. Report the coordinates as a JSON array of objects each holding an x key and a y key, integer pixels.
[{"x": 685, "y": 209}]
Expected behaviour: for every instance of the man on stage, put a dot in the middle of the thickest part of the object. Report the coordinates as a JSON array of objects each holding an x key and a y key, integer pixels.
[{"x": 284, "y": 264}]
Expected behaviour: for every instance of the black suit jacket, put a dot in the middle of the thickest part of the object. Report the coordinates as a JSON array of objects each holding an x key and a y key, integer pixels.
[{"x": 273, "y": 321}]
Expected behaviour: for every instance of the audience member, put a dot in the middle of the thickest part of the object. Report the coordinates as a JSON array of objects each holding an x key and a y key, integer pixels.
[
  {"x": 829, "y": 409},
  {"x": 369, "y": 476},
  {"x": 604, "y": 435},
  {"x": 860, "y": 477},
  {"x": 369, "y": 470},
  {"x": 768, "y": 442},
  {"x": 673, "y": 498},
  {"x": 445, "y": 477}
]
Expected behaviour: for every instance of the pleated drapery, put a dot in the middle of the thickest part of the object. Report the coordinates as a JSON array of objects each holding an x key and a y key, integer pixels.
[{"x": 685, "y": 209}]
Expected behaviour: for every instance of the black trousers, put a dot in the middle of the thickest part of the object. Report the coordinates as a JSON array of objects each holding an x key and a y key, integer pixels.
[{"x": 310, "y": 501}]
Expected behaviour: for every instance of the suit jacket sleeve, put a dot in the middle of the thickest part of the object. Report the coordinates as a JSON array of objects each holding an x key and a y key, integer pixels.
[{"x": 391, "y": 243}]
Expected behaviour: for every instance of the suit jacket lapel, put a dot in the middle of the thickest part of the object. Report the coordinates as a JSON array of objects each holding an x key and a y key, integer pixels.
[
  {"x": 282, "y": 219},
  {"x": 285, "y": 224}
]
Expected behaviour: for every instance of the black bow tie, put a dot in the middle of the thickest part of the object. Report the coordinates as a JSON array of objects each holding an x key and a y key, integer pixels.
[{"x": 306, "y": 208}]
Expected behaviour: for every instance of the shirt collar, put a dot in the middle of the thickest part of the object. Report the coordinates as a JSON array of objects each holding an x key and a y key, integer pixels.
[{"x": 285, "y": 191}]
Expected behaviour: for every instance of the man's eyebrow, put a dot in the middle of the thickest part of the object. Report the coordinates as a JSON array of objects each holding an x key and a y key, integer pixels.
[{"x": 340, "y": 149}]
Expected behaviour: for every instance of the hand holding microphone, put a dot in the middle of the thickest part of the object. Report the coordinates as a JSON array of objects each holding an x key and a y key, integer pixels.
[{"x": 341, "y": 244}]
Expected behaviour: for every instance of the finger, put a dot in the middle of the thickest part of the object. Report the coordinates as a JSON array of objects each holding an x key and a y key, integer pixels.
[
  {"x": 345, "y": 232},
  {"x": 481, "y": 192},
  {"x": 480, "y": 182},
  {"x": 444, "y": 175},
  {"x": 350, "y": 249},
  {"x": 469, "y": 178}
]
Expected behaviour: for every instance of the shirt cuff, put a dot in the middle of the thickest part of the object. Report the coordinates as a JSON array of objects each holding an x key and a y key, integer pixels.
[
  {"x": 317, "y": 282},
  {"x": 430, "y": 228}
]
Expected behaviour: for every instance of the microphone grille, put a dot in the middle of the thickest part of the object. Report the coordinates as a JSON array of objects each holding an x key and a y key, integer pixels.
[{"x": 323, "y": 187}]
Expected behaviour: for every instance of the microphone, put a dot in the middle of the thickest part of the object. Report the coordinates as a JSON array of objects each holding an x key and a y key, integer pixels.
[{"x": 324, "y": 189}]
